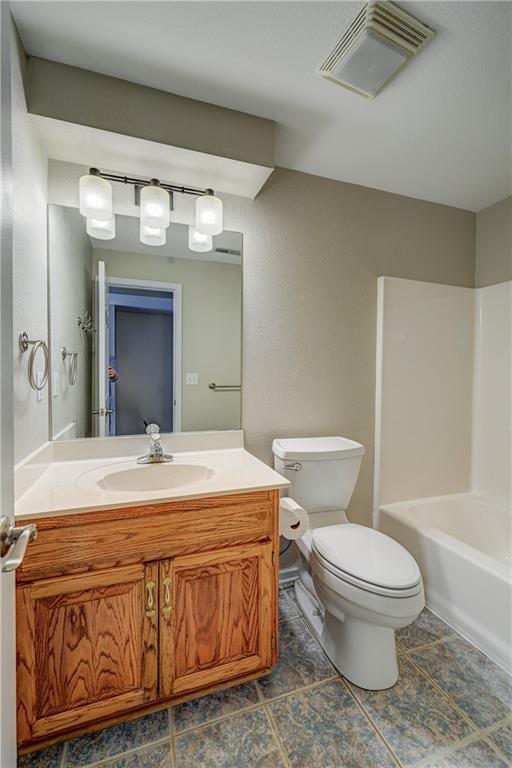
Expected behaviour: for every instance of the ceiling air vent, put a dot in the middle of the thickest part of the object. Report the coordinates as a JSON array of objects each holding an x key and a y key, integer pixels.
[{"x": 380, "y": 40}]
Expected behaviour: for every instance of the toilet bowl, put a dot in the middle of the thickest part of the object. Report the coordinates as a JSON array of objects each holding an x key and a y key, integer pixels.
[{"x": 356, "y": 586}]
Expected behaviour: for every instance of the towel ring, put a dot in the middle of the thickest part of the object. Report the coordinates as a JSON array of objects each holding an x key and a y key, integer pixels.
[
  {"x": 36, "y": 344},
  {"x": 73, "y": 365}
]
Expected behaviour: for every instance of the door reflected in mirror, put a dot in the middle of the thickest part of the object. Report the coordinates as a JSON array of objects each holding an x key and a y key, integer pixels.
[{"x": 142, "y": 334}]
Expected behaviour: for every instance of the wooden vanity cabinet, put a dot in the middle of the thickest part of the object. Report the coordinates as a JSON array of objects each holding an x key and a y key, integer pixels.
[
  {"x": 220, "y": 617},
  {"x": 86, "y": 648},
  {"x": 97, "y": 644}
]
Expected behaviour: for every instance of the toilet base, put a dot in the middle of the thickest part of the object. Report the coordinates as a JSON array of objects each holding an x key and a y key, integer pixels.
[{"x": 364, "y": 654}]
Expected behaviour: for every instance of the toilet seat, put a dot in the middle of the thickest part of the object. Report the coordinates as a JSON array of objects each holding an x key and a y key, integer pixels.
[{"x": 367, "y": 559}]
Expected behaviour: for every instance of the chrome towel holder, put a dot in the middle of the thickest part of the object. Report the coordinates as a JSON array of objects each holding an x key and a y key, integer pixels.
[
  {"x": 224, "y": 387},
  {"x": 73, "y": 364},
  {"x": 37, "y": 344}
]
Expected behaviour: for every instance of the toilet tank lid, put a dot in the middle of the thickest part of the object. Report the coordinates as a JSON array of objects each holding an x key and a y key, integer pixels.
[{"x": 315, "y": 448}]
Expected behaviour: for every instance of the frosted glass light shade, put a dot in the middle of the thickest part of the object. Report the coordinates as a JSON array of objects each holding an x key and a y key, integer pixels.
[
  {"x": 199, "y": 242},
  {"x": 154, "y": 206},
  {"x": 152, "y": 235},
  {"x": 102, "y": 229},
  {"x": 209, "y": 218},
  {"x": 95, "y": 197}
]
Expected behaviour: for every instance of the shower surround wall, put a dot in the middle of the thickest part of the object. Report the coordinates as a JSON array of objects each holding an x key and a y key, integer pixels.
[
  {"x": 443, "y": 411},
  {"x": 492, "y": 415},
  {"x": 424, "y": 390},
  {"x": 443, "y": 449}
]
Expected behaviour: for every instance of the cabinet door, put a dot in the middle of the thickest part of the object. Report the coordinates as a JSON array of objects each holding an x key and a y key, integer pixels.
[
  {"x": 87, "y": 648},
  {"x": 220, "y": 616}
]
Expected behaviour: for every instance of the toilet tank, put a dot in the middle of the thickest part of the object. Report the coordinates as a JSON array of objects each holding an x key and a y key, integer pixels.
[{"x": 322, "y": 470}]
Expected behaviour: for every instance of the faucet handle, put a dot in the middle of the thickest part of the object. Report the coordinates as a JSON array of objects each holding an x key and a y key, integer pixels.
[{"x": 153, "y": 430}]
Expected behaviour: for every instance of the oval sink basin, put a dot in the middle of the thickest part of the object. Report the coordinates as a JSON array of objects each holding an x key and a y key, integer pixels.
[{"x": 154, "y": 477}]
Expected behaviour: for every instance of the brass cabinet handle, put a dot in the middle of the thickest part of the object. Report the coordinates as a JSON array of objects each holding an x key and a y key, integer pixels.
[
  {"x": 166, "y": 610},
  {"x": 150, "y": 599}
]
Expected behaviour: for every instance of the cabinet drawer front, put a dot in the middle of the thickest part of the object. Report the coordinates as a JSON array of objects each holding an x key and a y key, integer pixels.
[
  {"x": 222, "y": 624},
  {"x": 77, "y": 543},
  {"x": 84, "y": 648}
]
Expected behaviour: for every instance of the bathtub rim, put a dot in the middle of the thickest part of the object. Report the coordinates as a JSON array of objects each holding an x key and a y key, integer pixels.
[
  {"x": 494, "y": 647},
  {"x": 401, "y": 510}
]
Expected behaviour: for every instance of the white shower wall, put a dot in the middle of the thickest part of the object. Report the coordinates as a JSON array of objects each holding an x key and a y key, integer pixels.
[
  {"x": 424, "y": 390},
  {"x": 492, "y": 427},
  {"x": 443, "y": 391}
]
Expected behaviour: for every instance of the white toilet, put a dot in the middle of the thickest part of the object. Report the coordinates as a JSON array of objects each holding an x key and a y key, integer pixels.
[{"x": 356, "y": 586}]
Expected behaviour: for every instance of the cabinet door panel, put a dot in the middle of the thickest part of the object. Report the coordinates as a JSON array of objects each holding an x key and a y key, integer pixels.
[
  {"x": 86, "y": 647},
  {"x": 222, "y": 620}
]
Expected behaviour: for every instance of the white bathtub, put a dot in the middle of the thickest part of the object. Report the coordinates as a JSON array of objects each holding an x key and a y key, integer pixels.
[{"x": 462, "y": 544}]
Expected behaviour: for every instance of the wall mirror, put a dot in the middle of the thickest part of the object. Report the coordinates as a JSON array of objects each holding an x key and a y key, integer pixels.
[{"x": 140, "y": 333}]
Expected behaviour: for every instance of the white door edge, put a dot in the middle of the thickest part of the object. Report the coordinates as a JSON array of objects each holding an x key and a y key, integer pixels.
[{"x": 7, "y": 584}]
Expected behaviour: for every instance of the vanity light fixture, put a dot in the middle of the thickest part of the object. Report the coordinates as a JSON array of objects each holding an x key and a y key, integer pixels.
[
  {"x": 199, "y": 242},
  {"x": 151, "y": 235},
  {"x": 102, "y": 229},
  {"x": 95, "y": 196},
  {"x": 155, "y": 205},
  {"x": 209, "y": 214},
  {"x": 155, "y": 199}
]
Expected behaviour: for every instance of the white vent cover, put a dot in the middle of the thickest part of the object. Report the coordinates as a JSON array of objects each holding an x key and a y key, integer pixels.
[{"x": 380, "y": 40}]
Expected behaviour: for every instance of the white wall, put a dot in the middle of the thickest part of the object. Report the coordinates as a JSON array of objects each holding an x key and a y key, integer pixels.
[
  {"x": 70, "y": 265},
  {"x": 29, "y": 262},
  {"x": 492, "y": 427},
  {"x": 424, "y": 389}
]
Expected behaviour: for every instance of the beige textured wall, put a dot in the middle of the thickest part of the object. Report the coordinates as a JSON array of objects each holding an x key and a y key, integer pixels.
[
  {"x": 313, "y": 249},
  {"x": 493, "y": 252},
  {"x": 211, "y": 314},
  {"x": 80, "y": 96}
]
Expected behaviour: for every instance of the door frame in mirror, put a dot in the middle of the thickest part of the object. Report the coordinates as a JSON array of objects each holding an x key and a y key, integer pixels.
[{"x": 176, "y": 290}]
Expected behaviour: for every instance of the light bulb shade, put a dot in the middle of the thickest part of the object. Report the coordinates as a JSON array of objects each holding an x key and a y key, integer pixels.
[
  {"x": 154, "y": 206},
  {"x": 95, "y": 197},
  {"x": 199, "y": 242},
  {"x": 209, "y": 219},
  {"x": 152, "y": 235},
  {"x": 102, "y": 229}
]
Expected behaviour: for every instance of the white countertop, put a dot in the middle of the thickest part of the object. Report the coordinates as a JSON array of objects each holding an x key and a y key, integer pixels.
[{"x": 71, "y": 486}]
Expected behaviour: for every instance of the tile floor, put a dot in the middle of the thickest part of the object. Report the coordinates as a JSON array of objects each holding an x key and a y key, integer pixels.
[{"x": 451, "y": 708}]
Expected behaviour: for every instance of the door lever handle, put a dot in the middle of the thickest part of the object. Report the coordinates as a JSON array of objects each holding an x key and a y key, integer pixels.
[{"x": 17, "y": 541}]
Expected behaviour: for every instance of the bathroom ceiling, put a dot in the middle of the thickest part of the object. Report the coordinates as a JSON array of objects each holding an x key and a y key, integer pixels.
[{"x": 441, "y": 131}]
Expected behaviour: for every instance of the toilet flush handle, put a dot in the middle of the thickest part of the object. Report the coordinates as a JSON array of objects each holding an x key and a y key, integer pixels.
[{"x": 293, "y": 467}]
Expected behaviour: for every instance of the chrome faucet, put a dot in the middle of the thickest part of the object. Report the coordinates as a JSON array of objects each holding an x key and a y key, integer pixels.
[{"x": 156, "y": 454}]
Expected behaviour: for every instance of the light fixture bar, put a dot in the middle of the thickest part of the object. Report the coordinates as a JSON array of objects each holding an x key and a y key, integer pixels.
[
  {"x": 184, "y": 190},
  {"x": 155, "y": 201}
]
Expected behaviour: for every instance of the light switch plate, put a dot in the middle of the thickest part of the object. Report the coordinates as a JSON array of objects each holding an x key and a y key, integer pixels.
[
  {"x": 191, "y": 378},
  {"x": 56, "y": 385}
]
